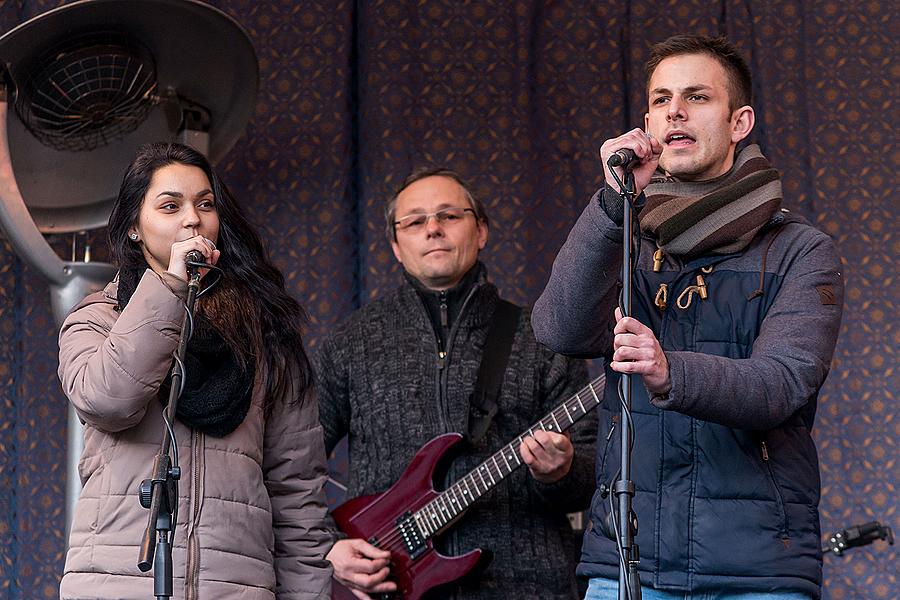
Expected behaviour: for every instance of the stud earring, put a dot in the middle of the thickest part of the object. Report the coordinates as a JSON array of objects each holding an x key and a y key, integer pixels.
[{"x": 133, "y": 236}]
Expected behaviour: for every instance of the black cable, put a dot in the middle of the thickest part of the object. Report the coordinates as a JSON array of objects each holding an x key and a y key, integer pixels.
[
  {"x": 212, "y": 283},
  {"x": 170, "y": 430}
]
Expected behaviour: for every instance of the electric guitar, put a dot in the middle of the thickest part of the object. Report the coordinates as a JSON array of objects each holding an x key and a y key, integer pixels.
[{"x": 406, "y": 518}]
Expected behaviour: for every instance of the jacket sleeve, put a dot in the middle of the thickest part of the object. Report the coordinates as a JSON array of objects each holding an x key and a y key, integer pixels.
[
  {"x": 561, "y": 378},
  {"x": 574, "y": 314},
  {"x": 295, "y": 475},
  {"x": 334, "y": 397},
  {"x": 111, "y": 368},
  {"x": 790, "y": 358}
]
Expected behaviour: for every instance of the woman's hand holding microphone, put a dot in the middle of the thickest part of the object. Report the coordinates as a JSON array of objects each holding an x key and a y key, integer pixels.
[{"x": 178, "y": 257}]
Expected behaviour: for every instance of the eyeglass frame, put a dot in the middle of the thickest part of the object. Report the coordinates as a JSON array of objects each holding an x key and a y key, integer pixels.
[{"x": 430, "y": 215}]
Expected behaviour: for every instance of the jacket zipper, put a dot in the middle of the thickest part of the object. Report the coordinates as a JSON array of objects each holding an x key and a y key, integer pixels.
[
  {"x": 442, "y": 348},
  {"x": 444, "y": 353},
  {"x": 778, "y": 496},
  {"x": 192, "y": 568},
  {"x": 441, "y": 383}
]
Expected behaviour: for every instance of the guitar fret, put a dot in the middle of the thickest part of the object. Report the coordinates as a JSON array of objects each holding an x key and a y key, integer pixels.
[
  {"x": 429, "y": 525},
  {"x": 418, "y": 518},
  {"x": 488, "y": 469},
  {"x": 583, "y": 409},
  {"x": 542, "y": 426},
  {"x": 465, "y": 481},
  {"x": 443, "y": 507},
  {"x": 475, "y": 483},
  {"x": 435, "y": 515},
  {"x": 434, "y": 510},
  {"x": 558, "y": 428},
  {"x": 593, "y": 393},
  {"x": 452, "y": 490},
  {"x": 478, "y": 470},
  {"x": 503, "y": 456},
  {"x": 496, "y": 465},
  {"x": 566, "y": 408}
]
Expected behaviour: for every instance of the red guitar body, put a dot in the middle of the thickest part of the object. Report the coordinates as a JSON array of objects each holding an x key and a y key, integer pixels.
[{"x": 373, "y": 518}]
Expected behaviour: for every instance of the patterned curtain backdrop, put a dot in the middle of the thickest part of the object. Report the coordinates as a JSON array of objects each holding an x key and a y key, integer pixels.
[{"x": 517, "y": 96}]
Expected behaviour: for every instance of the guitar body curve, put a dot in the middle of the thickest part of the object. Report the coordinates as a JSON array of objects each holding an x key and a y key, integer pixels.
[{"x": 374, "y": 518}]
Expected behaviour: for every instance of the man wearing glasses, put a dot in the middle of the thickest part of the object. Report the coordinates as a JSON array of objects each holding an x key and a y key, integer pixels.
[{"x": 403, "y": 370}]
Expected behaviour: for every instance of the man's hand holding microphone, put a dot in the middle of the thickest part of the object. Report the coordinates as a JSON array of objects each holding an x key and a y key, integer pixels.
[{"x": 646, "y": 152}]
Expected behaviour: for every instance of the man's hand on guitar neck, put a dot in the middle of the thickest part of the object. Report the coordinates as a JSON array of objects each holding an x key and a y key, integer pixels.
[
  {"x": 548, "y": 455},
  {"x": 361, "y": 567}
]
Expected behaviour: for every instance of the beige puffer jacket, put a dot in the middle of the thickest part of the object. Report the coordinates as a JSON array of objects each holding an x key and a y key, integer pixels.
[{"x": 251, "y": 504}]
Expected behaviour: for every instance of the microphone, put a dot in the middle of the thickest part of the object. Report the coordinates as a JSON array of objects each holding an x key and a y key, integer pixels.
[
  {"x": 194, "y": 256},
  {"x": 190, "y": 260},
  {"x": 624, "y": 157}
]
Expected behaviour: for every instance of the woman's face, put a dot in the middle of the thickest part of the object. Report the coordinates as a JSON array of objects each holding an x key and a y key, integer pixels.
[{"x": 178, "y": 205}]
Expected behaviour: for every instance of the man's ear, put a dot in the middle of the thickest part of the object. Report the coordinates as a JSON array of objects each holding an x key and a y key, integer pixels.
[
  {"x": 396, "y": 250},
  {"x": 742, "y": 121},
  {"x": 482, "y": 234}
]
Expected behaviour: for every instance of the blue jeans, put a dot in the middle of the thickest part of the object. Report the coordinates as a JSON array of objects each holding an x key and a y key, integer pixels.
[{"x": 607, "y": 589}]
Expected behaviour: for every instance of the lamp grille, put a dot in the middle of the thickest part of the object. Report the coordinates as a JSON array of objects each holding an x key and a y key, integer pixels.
[{"x": 88, "y": 91}]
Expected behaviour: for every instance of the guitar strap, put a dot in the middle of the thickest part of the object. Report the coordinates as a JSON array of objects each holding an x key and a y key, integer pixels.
[{"x": 483, "y": 402}]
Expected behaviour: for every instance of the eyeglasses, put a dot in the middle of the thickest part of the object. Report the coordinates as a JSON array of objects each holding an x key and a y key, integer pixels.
[{"x": 446, "y": 216}]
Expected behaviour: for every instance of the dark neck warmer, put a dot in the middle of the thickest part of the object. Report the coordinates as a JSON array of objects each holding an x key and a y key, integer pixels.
[
  {"x": 217, "y": 387},
  {"x": 443, "y": 307},
  {"x": 719, "y": 216}
]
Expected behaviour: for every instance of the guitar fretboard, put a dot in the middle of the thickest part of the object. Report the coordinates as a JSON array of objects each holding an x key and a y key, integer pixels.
[{"x": 432, "y": 518}]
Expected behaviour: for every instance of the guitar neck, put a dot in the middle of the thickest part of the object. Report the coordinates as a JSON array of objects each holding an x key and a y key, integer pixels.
[{"x": 435, "y": 516}]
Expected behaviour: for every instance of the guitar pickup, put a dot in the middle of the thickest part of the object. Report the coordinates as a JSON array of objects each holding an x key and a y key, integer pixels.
[{"x": 412, "y": 538}]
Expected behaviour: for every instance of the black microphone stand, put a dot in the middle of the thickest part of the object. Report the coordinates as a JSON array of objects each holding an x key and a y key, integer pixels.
[
  {"x": 160, "y": 492},
  {"x": 626, "y": 528}
]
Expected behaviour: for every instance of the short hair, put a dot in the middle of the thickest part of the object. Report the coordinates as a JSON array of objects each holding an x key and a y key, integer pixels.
[
  {"x": 740, "y": 81},
  {"x": 390, "y": 209}
]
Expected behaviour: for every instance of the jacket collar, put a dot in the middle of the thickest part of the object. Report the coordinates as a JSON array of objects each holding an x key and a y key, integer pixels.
[{"x": 475, "y": 312}]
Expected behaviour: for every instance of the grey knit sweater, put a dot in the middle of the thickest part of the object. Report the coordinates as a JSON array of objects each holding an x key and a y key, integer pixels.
[{"x": 381, "y": 384}]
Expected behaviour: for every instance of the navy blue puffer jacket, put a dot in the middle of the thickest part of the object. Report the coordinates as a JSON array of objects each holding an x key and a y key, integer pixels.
[{"x": 725, "y": 468}]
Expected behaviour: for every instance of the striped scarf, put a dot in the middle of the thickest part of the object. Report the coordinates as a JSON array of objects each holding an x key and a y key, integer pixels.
[{"x": 718, "y": 216}]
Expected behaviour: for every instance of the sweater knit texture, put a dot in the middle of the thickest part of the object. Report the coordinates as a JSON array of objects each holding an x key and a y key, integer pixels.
[{"x": 381, "y": 383}]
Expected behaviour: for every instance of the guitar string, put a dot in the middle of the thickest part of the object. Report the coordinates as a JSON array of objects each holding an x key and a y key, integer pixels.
[
  {"x": 434, "y": 515},
  {"x": 438, "y": 515},
  {"x": 394, "y": 534}
]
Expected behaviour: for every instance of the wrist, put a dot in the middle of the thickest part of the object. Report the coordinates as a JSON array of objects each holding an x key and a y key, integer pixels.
[{"x": 612, "y": 203}]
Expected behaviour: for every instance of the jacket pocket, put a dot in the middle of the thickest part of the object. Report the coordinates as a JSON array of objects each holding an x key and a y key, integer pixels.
[{"x": 779, "y": 496}]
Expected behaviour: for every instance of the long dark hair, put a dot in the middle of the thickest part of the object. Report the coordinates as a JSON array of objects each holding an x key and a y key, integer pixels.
[{"x": 250, "y": 307}]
